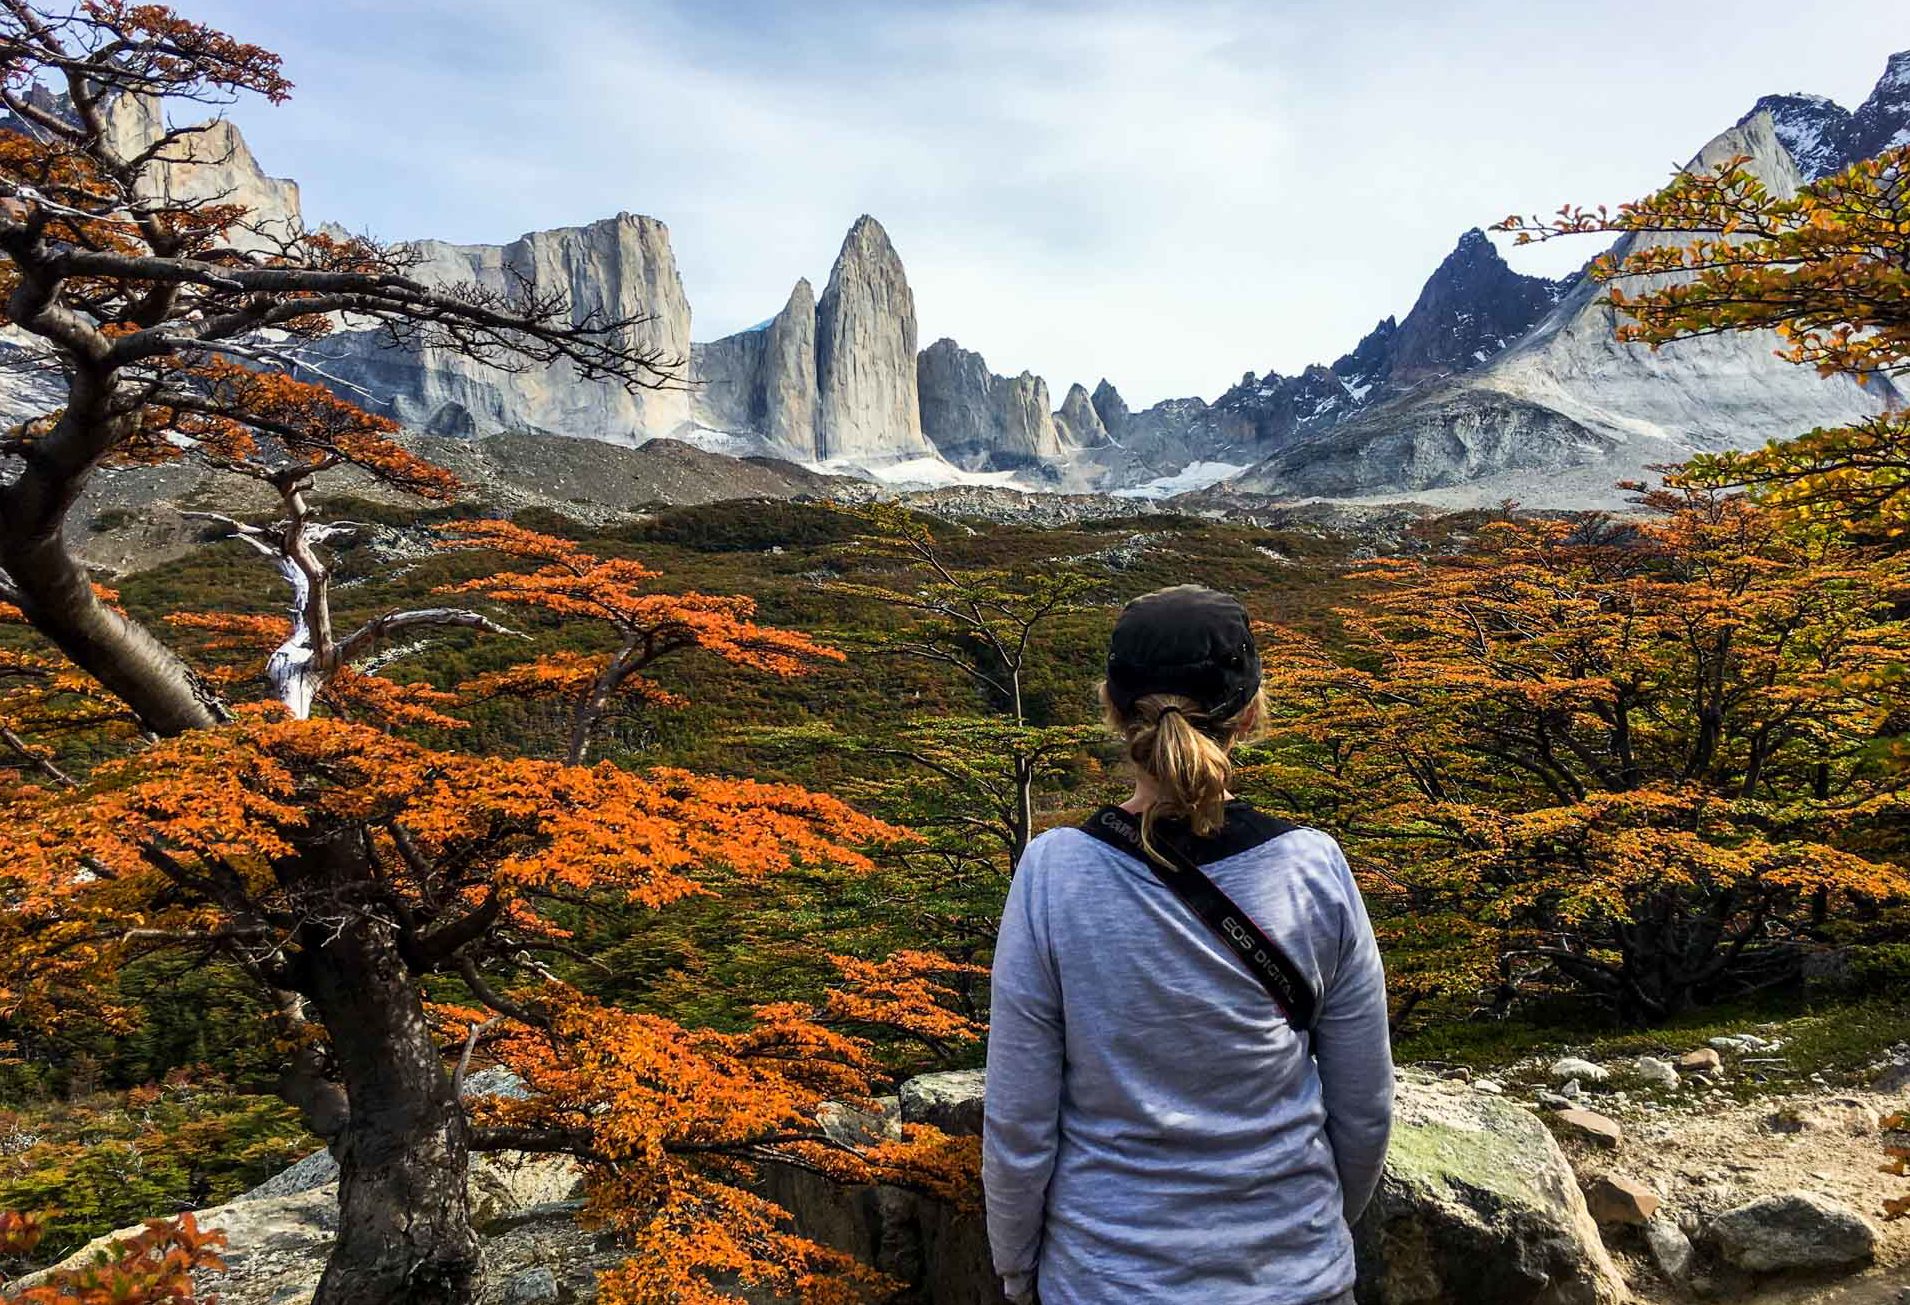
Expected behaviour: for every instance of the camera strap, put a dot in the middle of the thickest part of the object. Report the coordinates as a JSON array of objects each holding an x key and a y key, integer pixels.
[{"x": 1262, "y": 956}]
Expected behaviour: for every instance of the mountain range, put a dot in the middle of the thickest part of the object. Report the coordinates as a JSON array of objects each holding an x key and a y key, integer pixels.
[{"x": 1493, "y": 385}]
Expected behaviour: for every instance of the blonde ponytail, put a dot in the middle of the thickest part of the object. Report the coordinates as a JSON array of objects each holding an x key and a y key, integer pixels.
[{"x": 1185, "y": 753}]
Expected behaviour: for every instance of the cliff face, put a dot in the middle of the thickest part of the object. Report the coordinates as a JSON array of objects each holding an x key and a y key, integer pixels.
[
  {"x": 209, "y": 163},
  {"x": 868, "y": 406},
  {"x": 763, "y": 381},
  {"x": 982, "y": 421},
  {"x": 619, "y": 267}
]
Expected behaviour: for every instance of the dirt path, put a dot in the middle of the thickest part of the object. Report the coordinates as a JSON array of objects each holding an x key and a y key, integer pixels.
[{"x": 1706, "y": 1154}]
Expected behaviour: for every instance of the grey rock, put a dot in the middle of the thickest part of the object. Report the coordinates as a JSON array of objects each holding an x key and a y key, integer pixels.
[
  {"x": 1478, "y": 1203},
  {"x": 210, "y": 163},
  {"x": 868, "y": 404},
  {"x": 534, "y": 1286},
  {"x": 621, "y": 267},
  {"x": 316, "y": 1170},
  {"x": 852, "y": 1126},
  {"x": 1584, "y": 1071},
  {"x": 1658, "y": 1073},
  {"x": 1077, "y": 423},
  {"x": 979, "y": 420},
  {"x": 1792, "y": 1230},
  {"x": 1671, "y": 1251},
  {"x": 497, "y": 1081},
  {"x": 951, "y": 1101},
  {"x": 763, "y": 381}
]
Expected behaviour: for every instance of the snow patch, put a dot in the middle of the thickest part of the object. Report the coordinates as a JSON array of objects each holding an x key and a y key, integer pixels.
[
  {"x": 728, "y": 443},
  {"x": 921, "y": 473},
  {"x": 1193, "y": 476}
]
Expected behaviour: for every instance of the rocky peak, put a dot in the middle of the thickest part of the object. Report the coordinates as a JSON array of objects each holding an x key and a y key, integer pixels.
[
  {"x": 1110, "y": 407},
  {"x": 1882, "y": 121},
  {"x": 868, "y": 405},
  {"x": 1470, "y": 309},
  {"x": 1811, "y": 127},
  {"x": 1077, "y": 422},
  {"x": 1824, "y": 137}
]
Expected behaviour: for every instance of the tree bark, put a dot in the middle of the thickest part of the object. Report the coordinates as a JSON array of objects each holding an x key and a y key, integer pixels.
[{"x": 404, "y": 1227}]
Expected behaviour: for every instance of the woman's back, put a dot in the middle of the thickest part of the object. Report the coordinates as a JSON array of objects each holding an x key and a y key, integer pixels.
[{"x": 1156, "y": 1130}]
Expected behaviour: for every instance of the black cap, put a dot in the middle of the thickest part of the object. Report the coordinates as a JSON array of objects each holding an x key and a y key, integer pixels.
[{"x": 1188, "y": 640}]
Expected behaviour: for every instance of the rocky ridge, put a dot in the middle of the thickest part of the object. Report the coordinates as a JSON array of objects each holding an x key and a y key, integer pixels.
[
  {"x": 1568, "y": 407},
  {"x": 1494, "y": 385}
]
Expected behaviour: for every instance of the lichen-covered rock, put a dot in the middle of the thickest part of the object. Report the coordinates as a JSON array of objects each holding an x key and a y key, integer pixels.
[
  {"x": 1478, "y": 1203},
  {"x": 1792, "y": 1230}
]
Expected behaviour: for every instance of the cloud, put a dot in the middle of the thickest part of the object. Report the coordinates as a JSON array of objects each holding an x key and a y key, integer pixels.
[{"x": 1163, "y": 194}]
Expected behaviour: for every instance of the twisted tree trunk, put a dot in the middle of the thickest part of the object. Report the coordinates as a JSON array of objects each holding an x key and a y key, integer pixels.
[{"x": 404, "y": 1226}]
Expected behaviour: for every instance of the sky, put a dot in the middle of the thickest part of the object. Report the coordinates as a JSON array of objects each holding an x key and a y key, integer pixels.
[{"x": 1165, "y": 194}]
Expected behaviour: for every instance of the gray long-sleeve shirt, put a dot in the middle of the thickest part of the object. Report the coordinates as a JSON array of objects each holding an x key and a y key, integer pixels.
[{"x": 1155, "y": 1130}]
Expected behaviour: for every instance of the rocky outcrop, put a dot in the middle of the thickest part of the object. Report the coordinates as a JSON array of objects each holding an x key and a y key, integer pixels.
[
  {"x": 1478, "y": 1204},
  {"x": 979, "y": 420},
  {"x": 278, "y": 1235},
  {"x": 868, "y": 407},
  {"x": 620, "y": 267},
  {"x": 763, "y": 380},
  {"x": 1568, "y": 410}
]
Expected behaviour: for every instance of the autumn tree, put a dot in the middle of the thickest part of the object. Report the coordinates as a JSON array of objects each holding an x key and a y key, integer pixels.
[
  {"x": 988, "y": 624},
  {"x": 1823, "y": 268},
  {"x": 644, "y": 625},
  {"x": 1630, "y": 757},
  {"x": 391, "y": 900}
]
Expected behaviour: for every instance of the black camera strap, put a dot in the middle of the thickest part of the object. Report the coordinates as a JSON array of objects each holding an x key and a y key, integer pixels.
[{"x": 1262, "y": 956}]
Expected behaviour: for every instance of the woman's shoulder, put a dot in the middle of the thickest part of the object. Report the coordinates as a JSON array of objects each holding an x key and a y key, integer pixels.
[{"x": 1062, "y": 843}]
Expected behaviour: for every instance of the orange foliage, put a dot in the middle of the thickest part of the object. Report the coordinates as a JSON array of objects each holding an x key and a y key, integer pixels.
[
  {"x": 148, "y": 1268},
  {"x": 647, "y": 625},
  {"x": 310, "y": 429},
  {"x": 1635, "y": 756},
  {"x": 679, "y": 1122},
  {"x": 190, "y": 840},
  {"x": 1822, "y": 268}
]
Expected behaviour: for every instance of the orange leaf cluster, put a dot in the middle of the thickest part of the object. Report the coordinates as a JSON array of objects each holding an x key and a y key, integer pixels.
[
  {"x": 150, "y": 1268},
  {"x": 223, "y": 806},
  {"x": 309, "y": 428},
  {"x": 675, "y": 1124}
]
